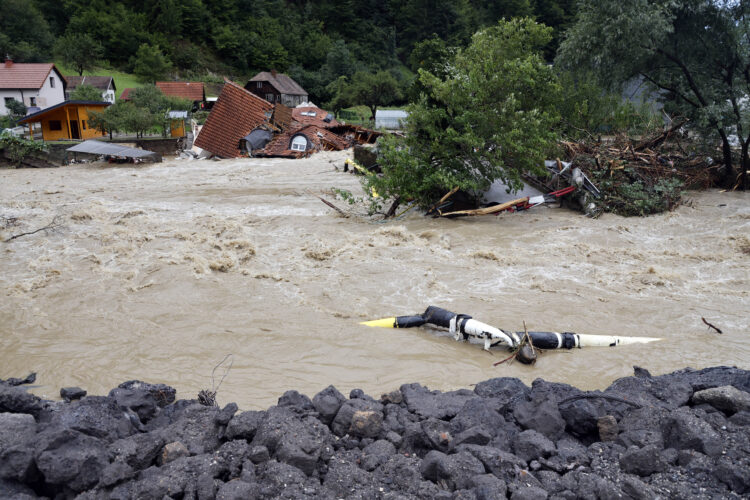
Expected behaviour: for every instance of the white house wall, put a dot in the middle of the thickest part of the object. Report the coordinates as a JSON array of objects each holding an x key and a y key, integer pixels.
[{"x": 44, "y": 97}]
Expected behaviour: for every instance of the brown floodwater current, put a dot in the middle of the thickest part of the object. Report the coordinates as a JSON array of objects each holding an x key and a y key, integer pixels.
[{"x": 157, "y": 272}]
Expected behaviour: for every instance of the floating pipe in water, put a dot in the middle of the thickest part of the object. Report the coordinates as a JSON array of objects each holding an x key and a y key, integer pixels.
[{"x": 464, "y": 327}]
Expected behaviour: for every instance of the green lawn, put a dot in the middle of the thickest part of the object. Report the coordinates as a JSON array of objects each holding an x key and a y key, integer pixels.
[{"x": 122, "y": 80}]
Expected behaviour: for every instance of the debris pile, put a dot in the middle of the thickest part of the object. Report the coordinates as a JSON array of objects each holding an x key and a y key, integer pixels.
[
  {"x": 639, "y": 177},
  {"x": 681, "y": 435}
]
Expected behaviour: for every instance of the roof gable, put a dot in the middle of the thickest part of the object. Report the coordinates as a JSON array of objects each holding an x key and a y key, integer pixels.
[
  {"x": 27, "y": 75},
  {"x": 305, "y": 116},
  {"x": 235, "y": 114},
  {"x": 186, "y": 90},
  {"x": 281, "y": 82},
  {"x": 99, "y": 82}
]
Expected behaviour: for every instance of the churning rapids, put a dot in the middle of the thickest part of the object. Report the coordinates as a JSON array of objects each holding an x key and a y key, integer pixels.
[{"x": 158, "y": 271}]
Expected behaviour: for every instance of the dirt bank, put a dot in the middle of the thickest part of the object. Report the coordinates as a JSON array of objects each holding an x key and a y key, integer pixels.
[{"x": 681, "y": 435}]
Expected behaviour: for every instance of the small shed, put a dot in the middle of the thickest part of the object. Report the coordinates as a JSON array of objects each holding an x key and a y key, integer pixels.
[
  {"x": 67, "y": 120},
  {"x": 177, "y": 123},
  {"x": 392, "y": 119}
]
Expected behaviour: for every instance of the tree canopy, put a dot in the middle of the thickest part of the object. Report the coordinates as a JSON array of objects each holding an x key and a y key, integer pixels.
[{"x": 695, "y": 53}]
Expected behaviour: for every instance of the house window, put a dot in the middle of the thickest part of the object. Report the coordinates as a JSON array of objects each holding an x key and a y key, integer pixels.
[
  {"x": 52, "y": 81},
  {"x": 55, "y": 125},
  {"x": 269, "y": 97},
  {"x": 83, "y": 122},
  {"x": 7, "y": 101},
  {"x": 32, "y": 101},
  {"x": 259, "y": 85},
  {"x": 299, "y": 143}
]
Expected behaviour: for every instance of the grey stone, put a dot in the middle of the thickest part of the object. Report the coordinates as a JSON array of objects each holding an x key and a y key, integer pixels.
[
  {"x": 437, "y": 434},
  {"x": 72, "y": 393},
  {"x": 296, "y": 402},
  {"x": 502, "y": 464},
  {"x": 640, "y": 438},
  {"x": 115, "y": 473},
  {"x": 735, "y": 476},
  {"x": 489, "y": 487},
  {"x": 259, "y": 454},
  {"x": 726, "y": 398},
  {"x": 480, "y": 412},
  {"x": 196, "y": 428},
  {"x": 580, "y": 417},
  {"x": 95, "y": 416},
  {"x": 642, "y": 461},
  {"x": 530, "y": 445},
  {"x": 393, "y": 397},
  {"x": 608, "y": 428},
  {"x": 541, "y": 415},
  {"x": 366, "y": 423},
  {"x": 435, "y": 404},
  {"x": 17, "y": 400},
  {"x": 244, "y": 425},
  {"x": 141, "y": 401},
  {"x": 172, "y": 451},
  {"x": 636, "y": 489},
  {"x": 16, "y": 491},
  {"x": 682, "y": 430},
  {"x": 328, "y": 402},
  {"x": 741, "y": 418},
  {"x": 17, "y": 463},
  {"x": 376, "y": 454},
  {"x": 238, "y": 490},
  {"x": 15, "y": 429},
  {"x": 139, "y": 451},
  {"x": 70, "y": 458},
  {"x": 226, "y": 414},
  {"x": 342, "y": 423},
  {"x": 473, "y": 435},
  {"x": 163, "y": 394},
  {"x": 529, "y": 493},
  {"x": 456, "y": 471},
  {"x": 346, "y": 480}
]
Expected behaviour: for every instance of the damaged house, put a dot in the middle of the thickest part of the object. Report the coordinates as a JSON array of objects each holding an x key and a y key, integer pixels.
[
  {"x": 243, "y": 124},
  {"x": 277, "y": 87}
]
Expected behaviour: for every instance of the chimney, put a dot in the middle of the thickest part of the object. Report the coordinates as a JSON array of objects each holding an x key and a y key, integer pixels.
[
  {"x": 273, "y": 72},
  {"x": 8, "y": 61}
]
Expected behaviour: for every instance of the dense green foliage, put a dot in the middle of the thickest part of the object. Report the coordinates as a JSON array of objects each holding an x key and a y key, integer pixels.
[
  {"x": 696, "y": 53},
  {"x": 316, "y": 42},
  {"x": 17, "y": 148},
  {"x": 491, "y": 117},
  {"x": 86, "y": 92}
]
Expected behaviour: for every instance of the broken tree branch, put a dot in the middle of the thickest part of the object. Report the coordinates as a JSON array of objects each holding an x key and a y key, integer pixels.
[
  {"x": 710, "y": 325},
  {"x": 55, "y": 223}
]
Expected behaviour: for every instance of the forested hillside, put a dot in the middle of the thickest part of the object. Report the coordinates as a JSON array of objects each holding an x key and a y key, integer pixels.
[{"x": 314, "y": 41}]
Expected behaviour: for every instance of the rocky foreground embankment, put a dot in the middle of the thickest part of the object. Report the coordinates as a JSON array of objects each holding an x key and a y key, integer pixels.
[{"x": 681, "y": 435}]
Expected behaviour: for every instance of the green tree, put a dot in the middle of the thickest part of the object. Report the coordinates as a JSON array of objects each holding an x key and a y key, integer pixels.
[
  {"x": 86, "y": 92},
  {"x": 16, "y": 110},
  {"x": 492, "y": 117},
  {"x": 372, "y": 90},
  {"x": 24, "y": 33},
  {"x": 150, "y": 64},
  {"x": 696, "y": 53},
  {"x": 79, "y": 51}
]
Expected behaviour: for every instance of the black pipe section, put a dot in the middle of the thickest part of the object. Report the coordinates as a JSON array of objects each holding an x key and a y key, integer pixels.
[
  {"x": 548, "y": 340},
  {"x": 409, "y": 321},
  {"x": 439, "y": 317}
]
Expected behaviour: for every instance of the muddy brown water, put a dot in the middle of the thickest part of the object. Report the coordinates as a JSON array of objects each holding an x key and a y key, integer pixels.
[{"x": 158, "y": 271}]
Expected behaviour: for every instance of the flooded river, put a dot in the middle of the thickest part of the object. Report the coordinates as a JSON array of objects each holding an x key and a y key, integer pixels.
[{"x": 158, "y": 271}]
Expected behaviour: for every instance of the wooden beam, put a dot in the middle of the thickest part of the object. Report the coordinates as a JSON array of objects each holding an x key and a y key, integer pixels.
[{"x": 67, "y": 122}]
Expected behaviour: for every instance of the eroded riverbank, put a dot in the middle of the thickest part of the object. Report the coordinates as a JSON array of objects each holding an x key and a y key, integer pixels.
[{"x": 162, "y": 270}]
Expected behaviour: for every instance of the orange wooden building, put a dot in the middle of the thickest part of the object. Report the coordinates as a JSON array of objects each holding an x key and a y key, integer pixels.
[{"x": 67, "y": 120}]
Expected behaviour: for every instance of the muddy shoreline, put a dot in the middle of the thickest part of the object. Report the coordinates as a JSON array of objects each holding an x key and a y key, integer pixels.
[{"x": 681, "y": 435}]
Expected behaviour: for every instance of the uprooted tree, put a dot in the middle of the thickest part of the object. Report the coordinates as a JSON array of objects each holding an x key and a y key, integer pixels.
[
  {"x": 696, "y": 53},
  {"x": 490, "y": 116}
]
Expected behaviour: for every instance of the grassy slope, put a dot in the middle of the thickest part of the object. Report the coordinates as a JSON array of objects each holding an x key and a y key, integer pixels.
[{"x": 122, "y": 80}]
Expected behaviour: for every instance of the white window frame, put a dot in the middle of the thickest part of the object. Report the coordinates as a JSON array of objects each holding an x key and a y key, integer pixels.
[
  {"x": 298, "y": 145},
  {"x": 52, "y": 82},
  {"x": 259, "y": 85}
]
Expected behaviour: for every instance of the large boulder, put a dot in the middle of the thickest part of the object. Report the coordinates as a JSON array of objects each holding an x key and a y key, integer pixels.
[
  {"x": 298, "y": 403},
  {"x": 542, "y": 415},
  {"x": 643, "y": 461},
  {"x": 683, "y": 430},
  {"x": 97, "y": 416},
  {"x": 196, "y": 428},
  {"x": 376, "y": 454},
  {"x": 342, "y": 423},
  {"x": 502, "y": 464},
  {"x": 139, "y": 451},
  {"x": 163, "y": 394},
  {"x": 530, "y": 445},
  {"x": 141, "y": 401},
  {"x": 244, "y": 425},
  {"x": 328, "y": 402},
  {"x": 297, "y": 441},
  {"x": 17, "y": 439},
  {"x": 70, "y": 458},
  {"x": 17, "y": 400},
  {"x": 455, "y": 471},
  {"x": 435, "y": 404},
  {"x": 726, "y": 398}
]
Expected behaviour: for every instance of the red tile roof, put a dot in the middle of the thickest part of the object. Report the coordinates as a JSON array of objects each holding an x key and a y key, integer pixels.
[
  {"x": 236, "y": 113},
  {"x": 186, "y": 90},
  {"x": 320, "y": 140},
  {"x": 25, "y": 75},
  {"x": 300, "y": 114},
  {"x": 126, "y": 94}
]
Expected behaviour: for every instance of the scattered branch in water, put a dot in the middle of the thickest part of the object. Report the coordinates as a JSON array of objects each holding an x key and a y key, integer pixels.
[
  {"x": 710, "y": 325},
  {"x": 54, "y": 224},
  {"x": 208, "y": 398},
  {"x": 525, "y": 353}
]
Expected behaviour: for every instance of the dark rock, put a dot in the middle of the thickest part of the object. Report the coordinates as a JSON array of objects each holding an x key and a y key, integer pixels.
[
  {"x": 473, "y": 435},
  {"x": 296, "y": 402},
  {"x": 639, "y": 372},
  {"x": 248, "y": 472},
  {"x": 342, "y": 424},
  {"x": 274, "y": 477},
  {"x": 394, "y": 438},
  {"x": 642, "y": 461},
  {"x": 346, "y": 480},
  {"x": 393, "y": 397},
  {"x": 741, "y": 418},
  {"x": 244, "y": 425},
  {"x": 541, "y": 415},
  {"x": 716, "y": 376},
  {"x": 226, "y": 414},
  {"x": 636, "y": 489},
  {"x": 258, "y": 454},
  {"x": 230, "y": 458},
  {"x": 139, "y": 451},
  {"x": 15, "y": 490},
  {"x": 70, "y": 458},
  {"x": 530, "y": 445},
  {"x": 682, "y": 430},
  {"x": 238, "y": 490},
  {"x": 376, "y": 454},
  {"x": 172, "y": 451},
  {"x": 366, "y": 424},
  {"x": 15, "y": 429},
  {"x": 293, "y": 440},
  {"x": 482, "y": 413},
  {"x": 115, "y": 473},
  {"x": 196, "y": 428},
  {"x": 177, "y": 479},
  {"x": 206, "y": 487},
  {"x": 17, "y": 400},
  {"x": 726, "y": 398},
  {"x": 402, "y": 474},
  {"x": 141, "y": 401},
  {"x": 529, "y": 493},
  {"x": 488, "y": 487},
  {"x": 581, "y": 417},
  {"x": 735, "y": 476},
  {"x": 72, "y": 393},
  {"x": 456, "y": 471},
  {"x": 437, "y": 434},
  {"x": 502, "y": 464},
  {"x": 96, "y": 416},
  {"x": 17, "y": 463},
  {"x": 572, "y": 452},
  {"x": 608, "y": 428},
  {"x": 435, "y": 404},
  {"x": 505, "y": 389},
  {"x": 163, "y": 394},
  {"x": 328, "y": 402},
  {"x": 12, "y": 382},
  {"x": 665, "y": 391}
]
